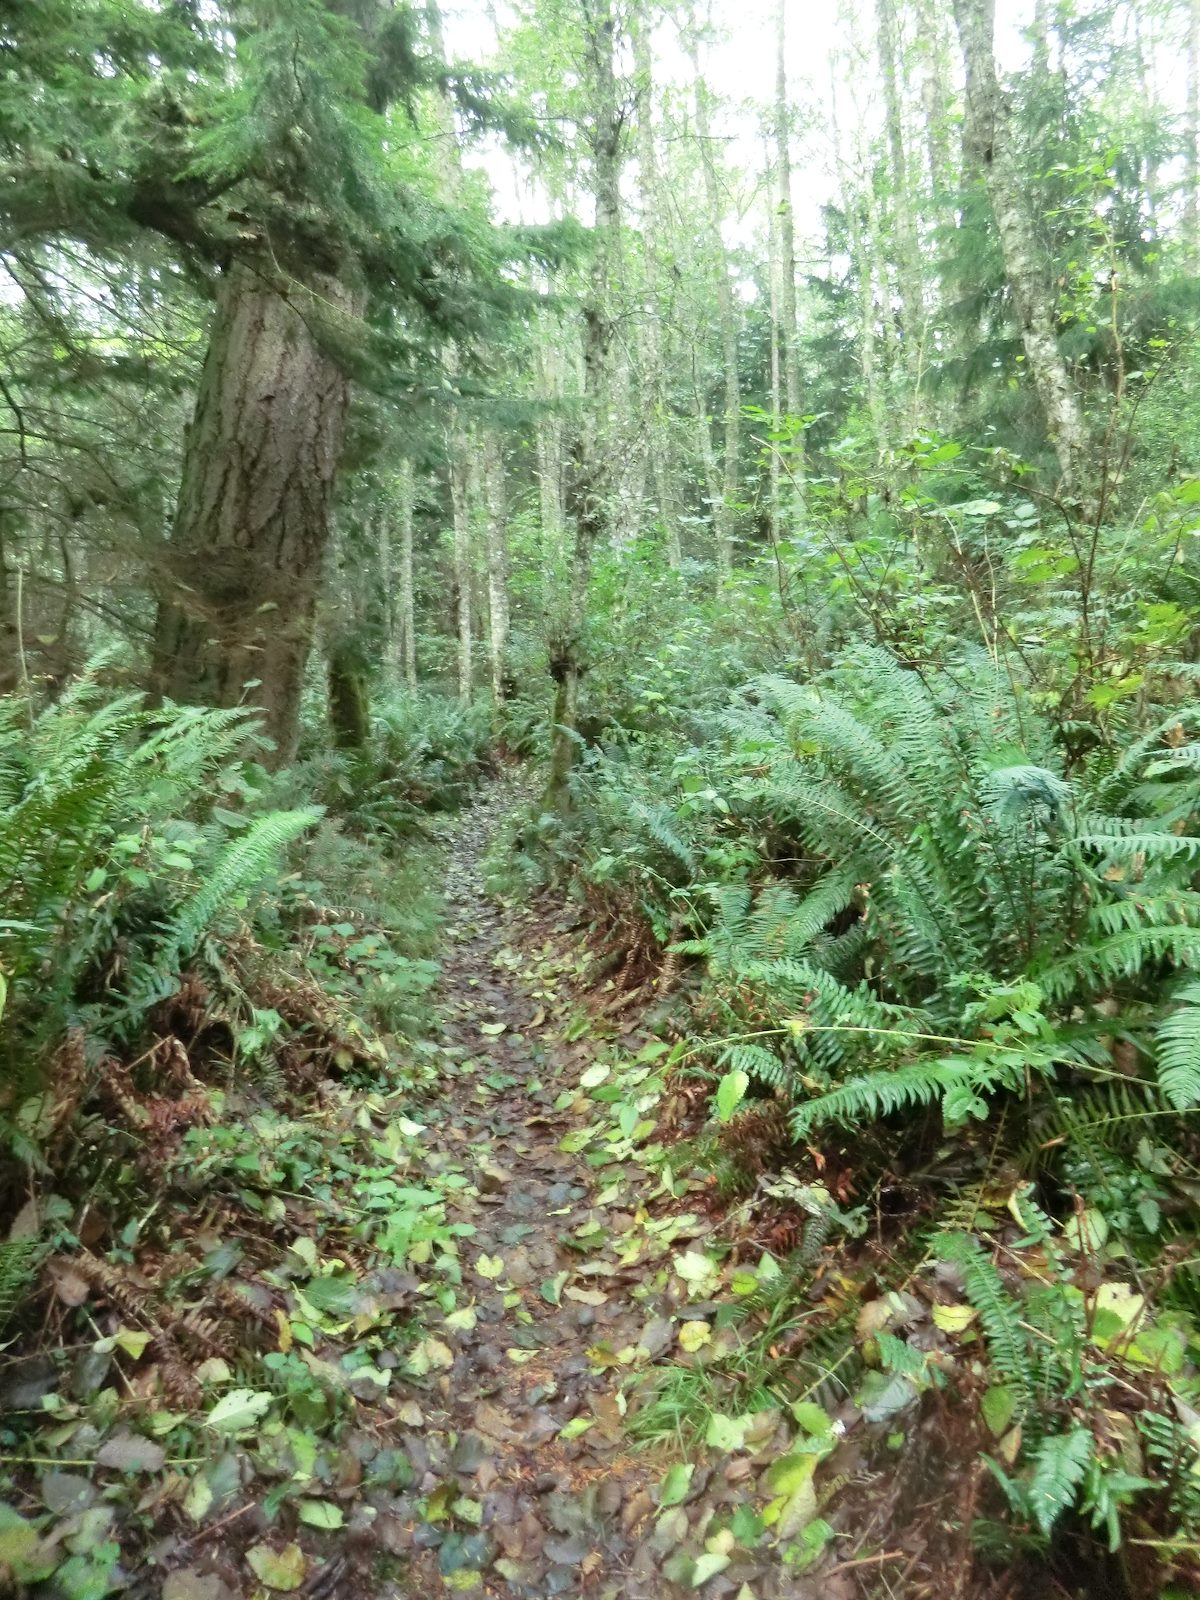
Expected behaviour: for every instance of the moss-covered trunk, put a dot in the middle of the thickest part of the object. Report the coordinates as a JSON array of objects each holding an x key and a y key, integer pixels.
[{"x": 349, "y": 700}]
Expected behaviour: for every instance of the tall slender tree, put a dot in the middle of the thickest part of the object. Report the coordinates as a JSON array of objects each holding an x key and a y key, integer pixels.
[
  {"x": 589, "y": 480},
  {"x": 988, "y": 135}
]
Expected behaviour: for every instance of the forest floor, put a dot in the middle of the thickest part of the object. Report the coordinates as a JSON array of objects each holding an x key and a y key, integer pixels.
[
  {"x": 482, "y": 1327},
  {"x": 528, "y": 1479},
  {"x": 524, "y": 1439}
]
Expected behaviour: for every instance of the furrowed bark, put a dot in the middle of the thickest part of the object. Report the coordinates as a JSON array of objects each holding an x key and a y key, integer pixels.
[{"x": 244, "y": 563}]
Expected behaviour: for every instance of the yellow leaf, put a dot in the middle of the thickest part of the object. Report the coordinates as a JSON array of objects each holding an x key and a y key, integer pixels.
[
  {"x": 285, "y": 1330},
  {"x": 954, "y": 1319}
]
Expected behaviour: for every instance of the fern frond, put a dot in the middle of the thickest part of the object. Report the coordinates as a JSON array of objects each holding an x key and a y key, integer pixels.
[
  {"x": 1000, "y": 1314},
  {"x": 1059, "y": 1468},
  {"x": 1177, "y": 1041},
  {"x": 959, "y": 1081},
  {"x": 244, "y": 862}
]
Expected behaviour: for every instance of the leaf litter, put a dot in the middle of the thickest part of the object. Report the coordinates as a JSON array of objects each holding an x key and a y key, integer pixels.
[{"x": 419, "y": 1331}]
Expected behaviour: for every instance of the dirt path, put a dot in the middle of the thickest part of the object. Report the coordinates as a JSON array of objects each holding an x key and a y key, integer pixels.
[
  {"x": 529, "y": 1482},
  {"x": 558, "y": 1515}
]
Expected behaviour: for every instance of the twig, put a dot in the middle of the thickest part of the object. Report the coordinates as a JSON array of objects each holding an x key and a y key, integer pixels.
[{"x": 867, "y": 1561}]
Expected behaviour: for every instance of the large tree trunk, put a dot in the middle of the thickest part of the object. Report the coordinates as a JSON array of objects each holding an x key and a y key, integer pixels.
[
  {"x": 244, "y": 563},
  {"x": 988, "y": 139}
]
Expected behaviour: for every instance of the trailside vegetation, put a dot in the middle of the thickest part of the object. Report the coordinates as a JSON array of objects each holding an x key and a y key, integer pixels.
[{"x": 599, "y": 771}]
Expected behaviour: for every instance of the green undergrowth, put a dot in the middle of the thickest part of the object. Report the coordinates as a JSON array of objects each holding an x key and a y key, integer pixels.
[
  {"x": 936, "y": 946},
  {"x": 217, "y": 1027}
]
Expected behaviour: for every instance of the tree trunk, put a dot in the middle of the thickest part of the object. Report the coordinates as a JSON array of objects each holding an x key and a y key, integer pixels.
[
  {"x": 907, "y": 249},
  {"x": 349, "y": 703},
  {"x": 988, "y": 138},
  {"x": 497, "y": 566},
  {"x": 1191, "y": 199},
  {"x": 460, "y": 510},
  {"x": 726, "y": 508},
  {"x": 936, "y": 96},
  {"x": 244, "y": 563},
  {"x": 789, "y": 324},
  {"x": 589, "y": 483},
  {"x": 653, "y": 370},
  {"x": 406, "y": 611}
]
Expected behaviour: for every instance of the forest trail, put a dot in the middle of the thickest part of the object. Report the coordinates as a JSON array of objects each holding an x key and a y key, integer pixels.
[{"x": 523, "y": 1454}]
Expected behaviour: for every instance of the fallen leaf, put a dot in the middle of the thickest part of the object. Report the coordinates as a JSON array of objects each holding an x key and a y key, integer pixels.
[
  {"x": 587, "y": 1297},
  {"x": 676, "y": 1484},
  {"x": 239, "y": 1409},
  {"x": 707, "y": 1566},
  {"x": 126, "y": 1452},
  {"x": 954, "y": 1319},
  {"x": 283, "y": 1570},
  {"x": 321, "y": 1514}
]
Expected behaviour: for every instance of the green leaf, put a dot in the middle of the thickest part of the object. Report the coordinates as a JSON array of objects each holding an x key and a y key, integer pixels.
[
  {"x": 238, "y": 1410},
  {"x": 731, "y": 1091},
  {"x": 676, "y": 1484},
  {"x": 707, "y": 1566},
  {"x": 726, "y": 1433},
  {"x": 283, "y": 1570},
  {"x": 999, "y": 1406},
  {"x": 321, "y": 1514},
  {"x": 576, "y": 1427},
  {"x": 812, "y": 1418}
]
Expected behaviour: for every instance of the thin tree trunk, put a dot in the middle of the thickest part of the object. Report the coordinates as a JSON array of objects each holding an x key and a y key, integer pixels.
[
  {"x": 776, "y": 465},
  {"x": 244, "y": 563},
  {"x": 650, "y": 331},
  {"x": 589, "y": 482},
  {"x": 988, "y": 137},
  {"x": 1191, "y": 202},
  {"x": 907, "y": 249},
  {"x": 789, "y": 323},
  {"x": 727, "y": 324},
  {"x": 460, "y": 512},
  {"x": 406, "y": 618},
  {"x": 936, "y": 95},
  {"x": 497, "y": 566}
]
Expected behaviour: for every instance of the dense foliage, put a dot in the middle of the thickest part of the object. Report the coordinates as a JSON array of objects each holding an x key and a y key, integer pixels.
[{"x": 846, "y": 617}]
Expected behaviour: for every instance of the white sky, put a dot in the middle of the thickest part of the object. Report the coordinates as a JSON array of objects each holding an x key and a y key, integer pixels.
[{"x": 740, "y": 69}]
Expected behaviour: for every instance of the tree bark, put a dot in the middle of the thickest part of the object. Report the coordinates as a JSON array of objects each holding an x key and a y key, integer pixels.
[
  {"x": 244, "y": 563},
  {"x": 406, "y": 612},
  {"x": 654, "y": 375},
  {"x": 726, "y": 507},
  {"x": 789, "y": 338},
  {"x": 776, "y": 463},
  {"x": 460, "y": 512},
  {"x": 1191, "y": 200},
  {"x": 497, "y": 566},
  {"x": 907, "y": 248},
  {"x": 988, "y": 139},
  {"x": 349, "y": 703},
  {"x": 589, "y": 485}
]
